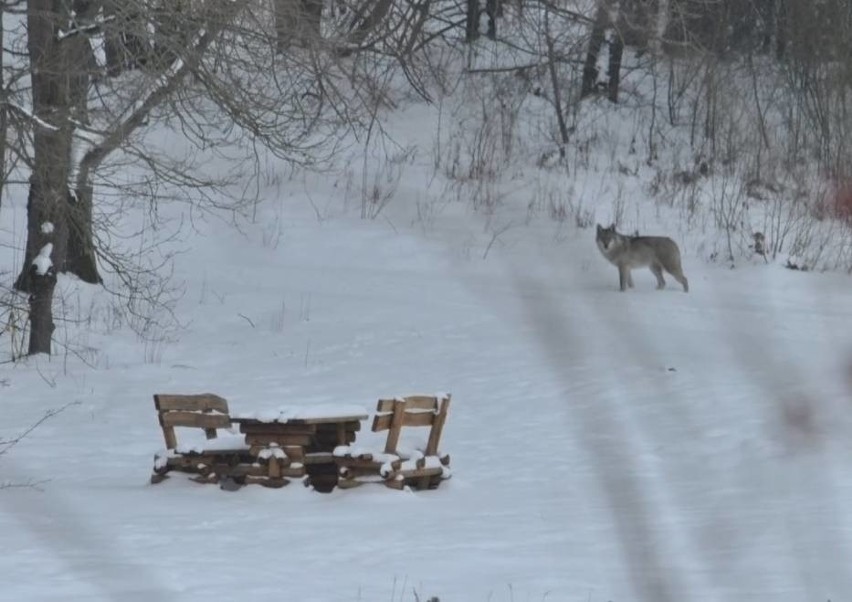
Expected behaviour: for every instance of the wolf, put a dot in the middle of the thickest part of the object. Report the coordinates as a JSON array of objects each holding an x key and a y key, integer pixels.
[{"x": 627, "y": 252}]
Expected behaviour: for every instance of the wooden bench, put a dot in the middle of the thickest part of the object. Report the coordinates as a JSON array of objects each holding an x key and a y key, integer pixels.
[
  {"x": 218, "y": 456},
  {"x": 395, "y": 466}
]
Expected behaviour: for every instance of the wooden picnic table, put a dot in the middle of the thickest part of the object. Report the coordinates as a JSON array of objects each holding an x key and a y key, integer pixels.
[{"x": 295, "y": 442}]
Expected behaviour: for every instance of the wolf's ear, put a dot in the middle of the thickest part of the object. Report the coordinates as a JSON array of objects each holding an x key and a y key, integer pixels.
[
  {"x": 612, "y": 227},
  {"x": 599, "y": 228}
]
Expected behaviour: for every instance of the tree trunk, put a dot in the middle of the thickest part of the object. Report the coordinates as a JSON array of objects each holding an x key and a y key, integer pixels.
[
  {"x": 296, "y": 20},
  {"x": 285, "y": 23},
  {"x": 312, "y": 11},
  {"x": 471, "y": 21},
  {"x": 782, "y": 28},
  {"x": 114, "y": 52},
  {"x": 554, "y": 82},
  {"x": 616, "y": 50},
  {"x": 596, "y": 40},
  {"x": 80, "y": 259},
  {"x": 47, "y": 231},
  {"x": 661, "y": 25},
  {"x": 4, "y": 123},
  {"x": 491, "y": 11}
]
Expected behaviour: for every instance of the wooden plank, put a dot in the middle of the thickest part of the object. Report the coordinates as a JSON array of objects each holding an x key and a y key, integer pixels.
[
  {"x": 328, "y": 419},
  {"x": 203, "y": 402},
  {"x": 386, "y": 405},
  {"x": 395, "y": 484},
  {"x": 427, "y": 482},
  {"x": 438, "y": 427},
  {"x": 195, "y": 419},
  {"x": 169, "y": 436},
  {"x": 319, "y": 458},
  {"x": 384, "y": 421},
  {"x": 274, "y": 428},
  {"x": 274, "y": 468},
  {"x": 349, "y": 472},
  {"x": 359, "y": 464},
  {"x": 244, "y": 470},
  {"x": 412, "y": 402},
  {"x": 296, "y": 453},
  {"x": 421, "y": 402},
  {"x": 281, "y": 440},
  {"x": 334, "y": 436},
  {"x": 419, "y": 472},
  {"x": 418, "y": 419},
  {"x": 350, "y": 426},
  {"x": 395, "y": 428},
  {"x": 348, "y": 483},
  {"x": 328, "y": 443}
]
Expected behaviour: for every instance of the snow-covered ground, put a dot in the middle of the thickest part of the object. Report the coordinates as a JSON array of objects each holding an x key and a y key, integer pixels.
[{"x": 652, "y": 445}]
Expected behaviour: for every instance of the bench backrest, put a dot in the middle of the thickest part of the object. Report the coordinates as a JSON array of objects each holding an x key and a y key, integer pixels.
[
  {"x": 415, "y": 410},
  {"x": 206, "y": 411}
]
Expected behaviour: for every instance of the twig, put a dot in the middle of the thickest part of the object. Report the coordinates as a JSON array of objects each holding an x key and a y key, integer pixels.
[
  {"x": 10, "y": 443},
  {"x": 494, "y": 237}
]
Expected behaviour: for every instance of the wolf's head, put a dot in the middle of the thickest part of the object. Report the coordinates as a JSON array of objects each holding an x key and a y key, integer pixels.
[{"x": 607, "y": 239}]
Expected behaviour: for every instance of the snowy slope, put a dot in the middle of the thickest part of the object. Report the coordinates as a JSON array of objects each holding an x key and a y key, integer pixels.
[{"x": 605, "y": 446}]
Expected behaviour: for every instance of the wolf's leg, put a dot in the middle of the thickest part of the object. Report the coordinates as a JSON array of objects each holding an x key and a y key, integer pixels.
[
  {"x": 623, "y": 277},
  {"x": 629, "y": 278},
  {"x": 657, "y": 269},
  {"x": 677, "y": 272}
]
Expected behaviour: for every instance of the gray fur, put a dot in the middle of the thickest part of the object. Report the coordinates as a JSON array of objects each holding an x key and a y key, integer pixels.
[{"x": 658, "y": 253}]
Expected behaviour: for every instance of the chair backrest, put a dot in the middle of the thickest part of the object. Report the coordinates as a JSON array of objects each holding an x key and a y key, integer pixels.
[
  {"x": 206, "y": 411},
  {"x": 415, "y": 410}
]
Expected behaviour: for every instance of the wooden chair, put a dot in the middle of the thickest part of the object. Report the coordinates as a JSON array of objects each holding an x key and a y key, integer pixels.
[
  {"x": 396, "y": 466},
  {"x": 215, "y": 457}
]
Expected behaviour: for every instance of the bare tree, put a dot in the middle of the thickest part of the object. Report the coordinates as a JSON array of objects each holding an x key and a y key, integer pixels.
[
  {"x": 213, "y": 73},
  {"x": 596, "y": 40}
]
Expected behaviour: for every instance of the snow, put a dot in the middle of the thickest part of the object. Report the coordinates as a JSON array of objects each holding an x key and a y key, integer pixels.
[
  {"x": 293, "y": 412},
  {"x": 27, "y": 112},
  {"x": 42, "y": 262},
  {"x": 605, "y": 446},
  {"x": 272, "y": 452},
  {"x": 47, "y": 228}
]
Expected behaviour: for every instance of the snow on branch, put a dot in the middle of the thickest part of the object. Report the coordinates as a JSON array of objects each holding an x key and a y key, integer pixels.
[
  {"x": 30, "y": 116},
  {"x": 166, "y": 84},
  {"x": 88, "y": 28}
]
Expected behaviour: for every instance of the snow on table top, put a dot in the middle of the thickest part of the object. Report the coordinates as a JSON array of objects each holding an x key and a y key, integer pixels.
[{"x": 304, "y": 412}]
